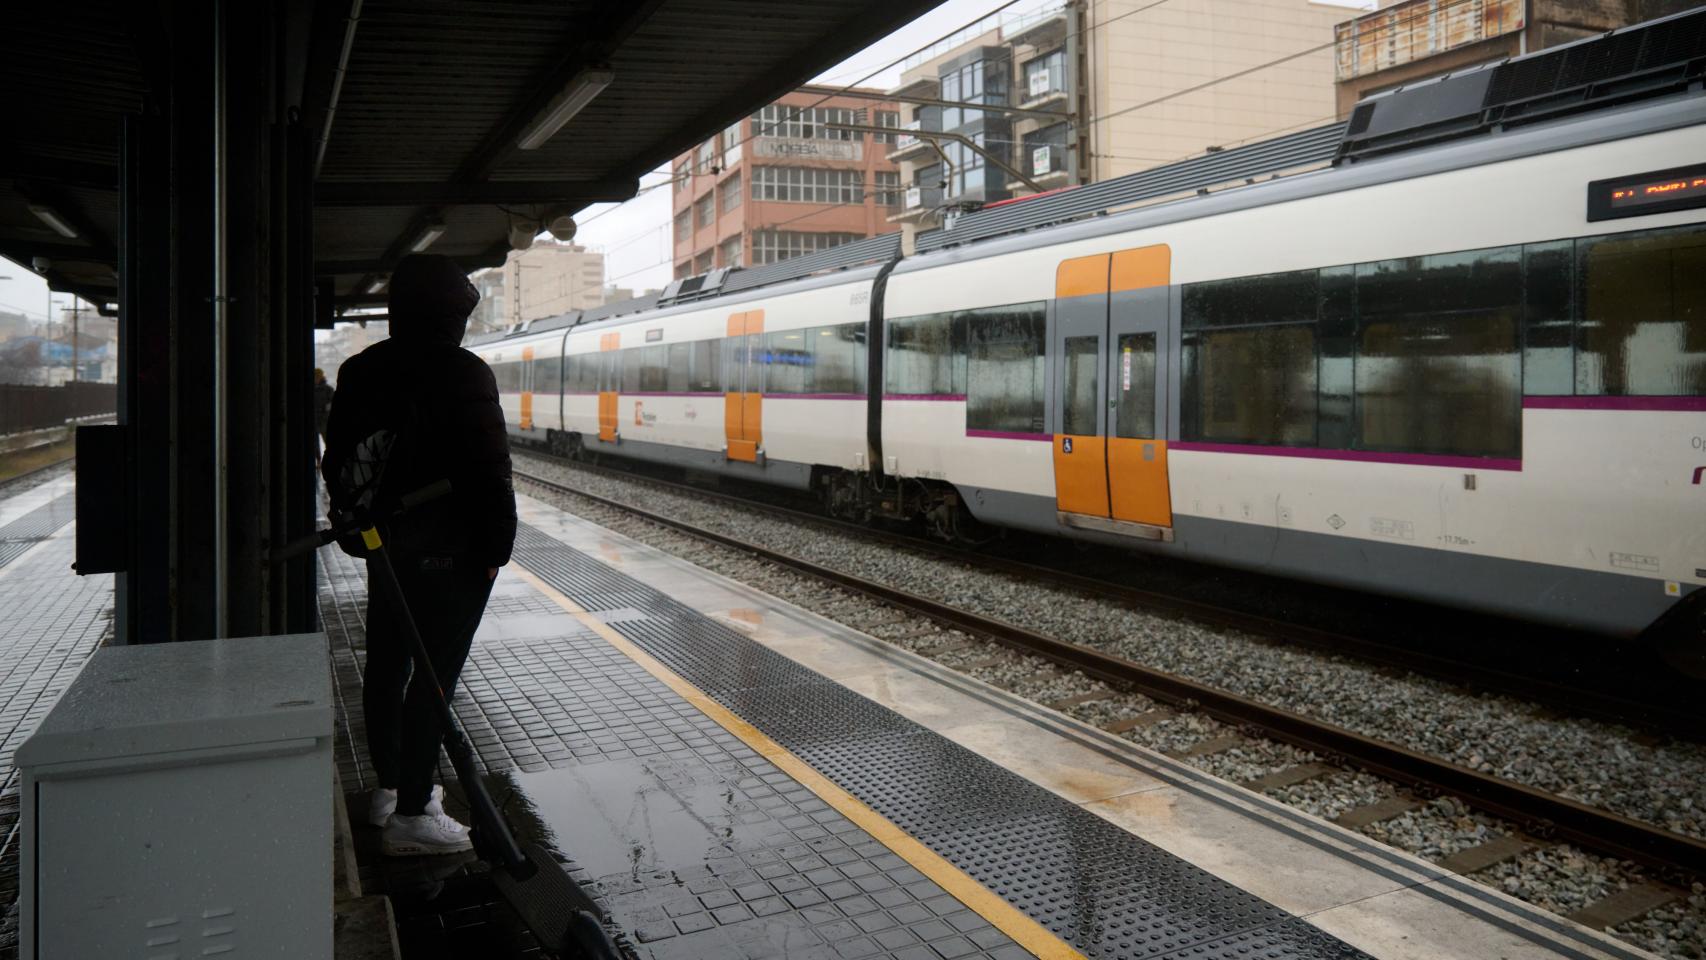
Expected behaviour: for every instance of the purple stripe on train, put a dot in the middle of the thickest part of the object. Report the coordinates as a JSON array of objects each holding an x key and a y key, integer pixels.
[
  {"x": 1364, "y": 456},
  {"x": 1676, "y": 404},
  {"x": 925, "y": 396}
]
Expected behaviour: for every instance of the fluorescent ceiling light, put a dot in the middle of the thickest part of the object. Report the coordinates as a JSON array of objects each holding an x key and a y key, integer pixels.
[
  {"x": 428, "y": 237},
  {"x": 574, "y": 98},
  {"x": 376, "y": 286},
  {"x": 51, "y": 217}
]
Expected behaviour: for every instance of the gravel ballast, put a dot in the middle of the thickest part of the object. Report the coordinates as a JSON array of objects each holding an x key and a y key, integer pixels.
[{"x": 1597, "y": 763}]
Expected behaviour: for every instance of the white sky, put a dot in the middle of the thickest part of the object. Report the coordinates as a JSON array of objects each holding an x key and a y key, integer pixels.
[{"x": 635, "y": 235}]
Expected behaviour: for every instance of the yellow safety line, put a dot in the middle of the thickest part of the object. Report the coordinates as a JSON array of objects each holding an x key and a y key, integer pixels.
[{"x": 1024, "y": 931}]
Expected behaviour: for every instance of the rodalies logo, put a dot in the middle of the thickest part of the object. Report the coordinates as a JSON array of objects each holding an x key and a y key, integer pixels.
[{"x": 641, "y": 418}]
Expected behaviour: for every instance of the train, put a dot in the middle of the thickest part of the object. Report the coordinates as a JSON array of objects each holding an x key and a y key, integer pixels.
[{"x": 1468, "y": 369}]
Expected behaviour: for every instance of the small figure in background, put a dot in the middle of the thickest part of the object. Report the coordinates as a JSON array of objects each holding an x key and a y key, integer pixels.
[{"x": 323, "y": 393}]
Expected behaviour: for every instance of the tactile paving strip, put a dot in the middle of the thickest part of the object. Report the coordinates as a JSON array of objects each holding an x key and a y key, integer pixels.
[
  {"x": 1098, "y": 887},
  {"x": 17, "y": 537},
  {"x": 784, "y": 875}
]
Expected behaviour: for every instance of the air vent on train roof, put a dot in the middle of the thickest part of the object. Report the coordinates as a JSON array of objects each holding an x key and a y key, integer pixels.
[{"x": 1659, "y": 58}]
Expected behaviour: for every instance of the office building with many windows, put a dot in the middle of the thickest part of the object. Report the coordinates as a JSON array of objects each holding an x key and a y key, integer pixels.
[{"x": 786, "y": 181}]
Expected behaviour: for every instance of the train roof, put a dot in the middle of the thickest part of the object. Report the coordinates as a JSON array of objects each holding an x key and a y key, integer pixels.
[{"x": 1628, "y": 82}]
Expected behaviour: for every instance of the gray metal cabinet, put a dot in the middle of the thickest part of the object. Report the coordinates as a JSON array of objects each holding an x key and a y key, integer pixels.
[{"x": 177, "y": 802}]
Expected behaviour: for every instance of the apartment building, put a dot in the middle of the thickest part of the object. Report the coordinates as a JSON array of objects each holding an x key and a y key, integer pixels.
[
  {"x": 1091, "y": 91},
  {"x": 545, "y": 280},
  {"x": 785, "y": 182}
]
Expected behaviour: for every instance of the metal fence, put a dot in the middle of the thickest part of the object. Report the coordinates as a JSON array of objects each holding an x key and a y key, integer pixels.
[{"x": 26, "y": 407}]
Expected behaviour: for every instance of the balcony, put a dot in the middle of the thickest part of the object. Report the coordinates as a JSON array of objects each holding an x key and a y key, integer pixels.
[
  {"x": 906, "y": 145},
  {"x": 922, "y": 198}
]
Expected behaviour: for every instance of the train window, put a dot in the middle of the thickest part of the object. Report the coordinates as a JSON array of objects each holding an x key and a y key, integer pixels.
[
  {"x": 1256, "y": 385},
  {"x": 1335, "y": 371},
  {"x": 737, "y": 375},
  {"x": 1642, "y": 314},
  {"x": 547, "y": 374},
  {"x": 583, "y": 370},
  {"x": 1005, "y": 375},
  {"x": 508, "y": 376},
  {"x": 707, "y": 366},
  {"x": 787, "y": 359},
  {"x": 840, "y": 358},
  {"x": 1548, "y": 335},
  {"x": 1438, "y": 366},
  {"x": 631, "y": 365},
  {"x": 1267, "y": 298},
  {"x": 680, "y": 367},
  {"x": 921, "y": 357},
  {"x": 1445, "y": 385},
  {"x": 654, "y": 369},
  {"x": 1134, "y": 386},
  {"x": 1079, "y": 417}
]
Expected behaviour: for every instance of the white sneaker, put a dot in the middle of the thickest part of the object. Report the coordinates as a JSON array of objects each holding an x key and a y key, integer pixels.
[
  {"x": 429, "y": 833},
  {"x": 383, "y": 803}
]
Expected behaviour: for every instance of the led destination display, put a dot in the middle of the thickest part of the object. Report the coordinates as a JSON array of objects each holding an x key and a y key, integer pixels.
[{"x": 1679, "y": 188}]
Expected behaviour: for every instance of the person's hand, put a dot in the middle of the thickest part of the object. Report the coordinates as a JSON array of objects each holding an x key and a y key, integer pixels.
[{"x": 491, "y": 573}]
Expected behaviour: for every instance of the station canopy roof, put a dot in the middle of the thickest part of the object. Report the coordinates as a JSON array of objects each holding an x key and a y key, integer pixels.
[{"x": 416, "y": 107}]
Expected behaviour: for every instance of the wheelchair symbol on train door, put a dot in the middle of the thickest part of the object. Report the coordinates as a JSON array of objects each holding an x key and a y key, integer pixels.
[{"x": 1065, "y": 444}]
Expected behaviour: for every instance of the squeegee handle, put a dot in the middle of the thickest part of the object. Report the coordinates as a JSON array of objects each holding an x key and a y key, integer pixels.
[{"x": 349, "y": 524}]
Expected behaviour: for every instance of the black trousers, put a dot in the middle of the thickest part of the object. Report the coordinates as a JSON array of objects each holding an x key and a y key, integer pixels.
[{"x": 403, "y": 728}]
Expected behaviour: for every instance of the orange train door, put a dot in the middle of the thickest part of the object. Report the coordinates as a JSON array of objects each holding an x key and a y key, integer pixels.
[
  {"x": 1110, "y": 344},
  {"x": 743, "y": 389},
  {"x": 526, "y": 388},
  {"x": 609, "y": 373}
]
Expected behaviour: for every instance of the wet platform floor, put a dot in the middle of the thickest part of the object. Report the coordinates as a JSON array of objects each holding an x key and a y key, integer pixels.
[{"x": 643, "y": 716}]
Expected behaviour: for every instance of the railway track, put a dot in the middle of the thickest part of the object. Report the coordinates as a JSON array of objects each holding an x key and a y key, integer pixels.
[
  {"x": 1539, "y": 818},
  {"x": 1657, "y": 718},
  {"x": 8, "y": 485}
]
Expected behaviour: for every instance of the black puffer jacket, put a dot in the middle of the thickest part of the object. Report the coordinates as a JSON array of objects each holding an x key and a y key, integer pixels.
[{"x": 442, "y": 403}]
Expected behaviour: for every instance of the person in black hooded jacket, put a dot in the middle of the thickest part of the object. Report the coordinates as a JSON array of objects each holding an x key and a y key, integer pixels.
[{"x": 428, "y": 410}]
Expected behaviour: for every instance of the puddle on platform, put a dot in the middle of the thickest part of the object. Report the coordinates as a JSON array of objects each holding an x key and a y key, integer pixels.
[{"x": 618, "y": 817}]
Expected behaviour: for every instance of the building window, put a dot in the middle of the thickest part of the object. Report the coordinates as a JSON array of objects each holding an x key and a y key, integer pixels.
[
  {"x": 729, "y": 252},
  {"x": 680, "y": 176},
  {"x": 706, "y": 209},
  {"x": 1045, "y": 151},
  {"x": 731, "y": 146},
  {"x": 981, "y": 81},
  {"x": 887, "y": 188},
  {"x": 1045, "y": 75},
  {"x": 885, "y": 118},
  {"x": 705, "y": 157},
  {"x": 771, "y": 246},
  {"x": 702, "y": 263},
  {"x": 803, "y": 123},
  {"x": 807, "y": 185},
  {"x": 684, "y": 269},
  {"x": 731, "y": 193},
  {"x": 683, "y": 228}
]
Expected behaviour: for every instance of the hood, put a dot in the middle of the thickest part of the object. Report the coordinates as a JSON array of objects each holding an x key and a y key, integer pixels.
[{"x": 431, "y": 299}]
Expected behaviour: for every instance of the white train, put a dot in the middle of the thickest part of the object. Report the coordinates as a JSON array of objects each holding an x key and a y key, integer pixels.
[{"x": 1471, "y": 372}]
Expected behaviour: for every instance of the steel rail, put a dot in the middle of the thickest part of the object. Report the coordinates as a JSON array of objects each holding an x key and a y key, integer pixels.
[
  {"x": 1600, "y": 706},
  {"x": 1539, "y": 813},
  {"x": 27, "y": 474}
]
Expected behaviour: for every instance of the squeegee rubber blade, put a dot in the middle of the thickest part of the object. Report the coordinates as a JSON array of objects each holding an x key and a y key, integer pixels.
[{"x": 548, "y": 901}]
